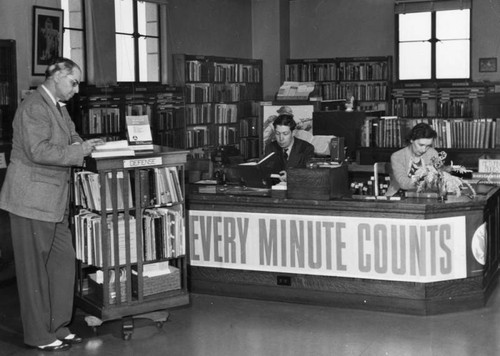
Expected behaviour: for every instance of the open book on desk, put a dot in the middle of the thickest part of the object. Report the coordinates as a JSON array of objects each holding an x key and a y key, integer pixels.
[
  {"x": 113, "y": 149},
  {"x": 258, "y": 174}
]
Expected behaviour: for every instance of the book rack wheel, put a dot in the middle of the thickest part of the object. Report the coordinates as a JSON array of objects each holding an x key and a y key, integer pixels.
[{"x": 93, "y": 322}]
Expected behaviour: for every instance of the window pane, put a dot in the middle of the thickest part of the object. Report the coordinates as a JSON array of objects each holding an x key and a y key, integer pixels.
[
  {"x": 124, "y": 16},
  {"x": 414, "y": 27},
  {"x": 73, "y": 16},
  {"x": 453, "y": 24},
  {"x": 452, "y": 59},
  {"x": 149, "y": 59},
  {"x": 73, "y": 47},
  {"x": 415, "y": 60},
  {"x": 125, "y": 58},
  {"x": 147, "y": 18}
]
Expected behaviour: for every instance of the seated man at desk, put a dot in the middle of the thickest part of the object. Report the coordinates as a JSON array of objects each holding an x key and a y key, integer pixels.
[
  {"x": 407, "y": 162},
  {"x": 292, "y": 151}
]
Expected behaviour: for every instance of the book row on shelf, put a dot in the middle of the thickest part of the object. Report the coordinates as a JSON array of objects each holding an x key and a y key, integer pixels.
[
  {"x": 334, "y": 70},
  {"x": 416, "y": 107},
  {"x": 207, "y": 71},
  {"x": 203, "y": 113},
  {"x": 162, "y": 233},
  {"x": 4, "y": 93},
  {"x": 226, "y": 135},
  {"x": 207, "y": 92},
  {"x": 451, "y": 133},
  {"x": 360, "y": 91},
  {"x": 197, "y": 136},
  {"x": 168, "y": 119},
  {"x": 159, "y": 186}
]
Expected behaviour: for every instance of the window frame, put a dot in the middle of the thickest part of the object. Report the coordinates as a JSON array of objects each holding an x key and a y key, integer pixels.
[
  {"x": 136, "y": 36},
  {"x": 83, "y": 30},
  {"x": 433, "y": 41}
]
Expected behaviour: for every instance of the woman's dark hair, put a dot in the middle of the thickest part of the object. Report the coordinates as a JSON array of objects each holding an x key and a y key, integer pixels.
[
  {"x": 285, "y": 120},
  {"x": 60, "y": 64},
  {"x": 421, "y": 130}
]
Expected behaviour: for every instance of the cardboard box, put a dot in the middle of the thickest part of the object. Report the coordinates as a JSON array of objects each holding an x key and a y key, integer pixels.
[
  {"x": 158, "y": 284},
  {"x": 318, "y": 183}
]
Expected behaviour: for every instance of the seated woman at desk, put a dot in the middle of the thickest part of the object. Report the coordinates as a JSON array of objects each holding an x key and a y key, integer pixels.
[
  {"x": 292, "y": 151},
  {"x": 406, "y": 162}
]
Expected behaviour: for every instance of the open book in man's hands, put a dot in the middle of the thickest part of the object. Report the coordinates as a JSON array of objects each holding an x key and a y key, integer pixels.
[{"x": 258, "y": 174}]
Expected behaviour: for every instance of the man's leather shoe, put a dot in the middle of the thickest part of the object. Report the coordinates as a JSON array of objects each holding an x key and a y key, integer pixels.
[
  {"x": 72, "y": 341},
  {"x": 62, "y": 347}
]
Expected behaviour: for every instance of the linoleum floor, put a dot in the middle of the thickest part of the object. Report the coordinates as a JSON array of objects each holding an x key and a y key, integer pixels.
[{"x": 220, "y": 326}]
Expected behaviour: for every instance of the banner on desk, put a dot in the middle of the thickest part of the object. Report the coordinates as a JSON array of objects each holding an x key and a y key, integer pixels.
[{"x": 374, "y": 248}]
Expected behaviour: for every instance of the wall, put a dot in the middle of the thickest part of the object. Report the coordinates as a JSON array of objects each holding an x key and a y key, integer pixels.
[
  {"x": 318, "y": 28},
  {"x": 351, "y": 28},
  {"x": 16, "y": 19},
  {"x": 209, "y": 27}
]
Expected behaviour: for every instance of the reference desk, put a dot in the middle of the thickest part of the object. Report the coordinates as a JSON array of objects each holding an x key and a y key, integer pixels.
[{"x": 415, "y": 256}]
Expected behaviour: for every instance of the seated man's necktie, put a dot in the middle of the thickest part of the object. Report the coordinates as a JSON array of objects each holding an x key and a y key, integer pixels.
[{"x": 285, "y": 154}]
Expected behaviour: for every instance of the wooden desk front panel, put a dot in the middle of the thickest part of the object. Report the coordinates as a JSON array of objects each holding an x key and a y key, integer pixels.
[{"x": 400, "y": 296}]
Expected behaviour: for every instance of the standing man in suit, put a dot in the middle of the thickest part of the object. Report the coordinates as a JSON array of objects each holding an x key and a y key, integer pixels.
[
  {"x": 292, "y": 151},
  {"x": 35, "y": 193}
]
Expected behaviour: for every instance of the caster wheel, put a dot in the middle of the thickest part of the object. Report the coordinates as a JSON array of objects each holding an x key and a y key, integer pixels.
[
  {"x": 127, "y": 336},
  {"x": 159, "y": 324}
]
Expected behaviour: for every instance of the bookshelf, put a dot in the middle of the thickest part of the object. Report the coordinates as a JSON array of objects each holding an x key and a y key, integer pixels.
[
  {"x": 101, "y": 111},
  {"x": 129, "y": 234},
  {"x": 453, "y": 109},
  {"x": 367, "y": 79},
  {"x": 8, "y": 88},
  {"x": 222, "y": 96}
]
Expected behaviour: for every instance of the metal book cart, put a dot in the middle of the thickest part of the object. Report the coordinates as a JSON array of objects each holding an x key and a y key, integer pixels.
[{"x": 129, "y": 234}]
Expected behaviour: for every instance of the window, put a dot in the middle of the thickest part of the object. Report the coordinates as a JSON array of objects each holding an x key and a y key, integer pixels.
[
  {"x": 74, "y": 32},
  {"x": 137, "y": 41},
  {"x": 433, "y": 44}
]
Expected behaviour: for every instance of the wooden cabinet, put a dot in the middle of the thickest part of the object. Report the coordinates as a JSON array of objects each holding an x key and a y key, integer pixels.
[
  {"x": 367, "y": 79},
  {"x": 222, "y": 95},
  {"x": 130, "y": 235}
]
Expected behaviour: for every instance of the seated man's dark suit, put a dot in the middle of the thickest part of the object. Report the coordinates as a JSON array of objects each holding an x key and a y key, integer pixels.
[{"x": 302, "y": 151}]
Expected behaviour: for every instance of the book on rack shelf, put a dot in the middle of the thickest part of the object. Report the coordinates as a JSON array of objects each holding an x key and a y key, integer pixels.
[
  {"x": 139, "y": 132},
  {"x": 113, "y": 149}
]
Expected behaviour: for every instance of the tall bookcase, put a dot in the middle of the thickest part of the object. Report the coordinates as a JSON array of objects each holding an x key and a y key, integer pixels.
[
  {"x": 453, "y": 109},
  {"x": 221, "y": 99},
  {"x": 100, "y": 112},
  {"x": 8, "y": 88},
  {"x": 367, "y": 79},
  {"x": 130, "y": 236}
]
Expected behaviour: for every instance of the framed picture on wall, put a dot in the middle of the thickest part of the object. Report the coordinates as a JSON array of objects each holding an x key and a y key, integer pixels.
[
  {"x": 487, "y": 64},
  {"x": 47, "y": 37}
]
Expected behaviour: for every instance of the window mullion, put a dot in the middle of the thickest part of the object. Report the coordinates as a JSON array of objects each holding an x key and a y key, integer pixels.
[
  {"x": 136, "y": 42},
  {"x": 434, "y": 40}
]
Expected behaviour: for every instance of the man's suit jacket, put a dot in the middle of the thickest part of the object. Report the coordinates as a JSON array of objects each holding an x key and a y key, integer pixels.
[
  {"x": 43, "y": 150},
  {"x": 302, "y": 151}
]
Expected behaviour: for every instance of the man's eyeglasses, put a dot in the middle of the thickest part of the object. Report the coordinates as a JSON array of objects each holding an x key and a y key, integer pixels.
[{"x": 74, "y": 82}]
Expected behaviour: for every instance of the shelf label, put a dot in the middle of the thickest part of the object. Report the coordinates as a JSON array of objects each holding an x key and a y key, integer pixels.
[{"x": 142, "y": 162}]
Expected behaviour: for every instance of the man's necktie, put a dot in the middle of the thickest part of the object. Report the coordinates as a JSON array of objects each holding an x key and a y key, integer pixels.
[
  {"x": 59, "y": 108},
  {"x": 285, "y": 154}
]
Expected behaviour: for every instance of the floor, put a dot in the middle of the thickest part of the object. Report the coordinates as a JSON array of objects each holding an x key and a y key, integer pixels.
[{"x": 221, "y": 326}]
